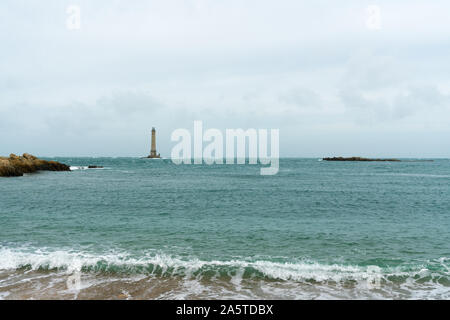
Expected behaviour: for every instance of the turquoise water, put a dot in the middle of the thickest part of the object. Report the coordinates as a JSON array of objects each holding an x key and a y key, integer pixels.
[{"x": 315, "y": 230}]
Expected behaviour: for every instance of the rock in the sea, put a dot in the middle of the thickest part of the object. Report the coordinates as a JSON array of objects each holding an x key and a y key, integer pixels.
[
  {"x": 15, "y": 166},
  {"x": 29, "y": 156},
  {"x": 356, "y": 159},
  {"x": 95, "y": 167},
  {"x": 7, "y": 170}
]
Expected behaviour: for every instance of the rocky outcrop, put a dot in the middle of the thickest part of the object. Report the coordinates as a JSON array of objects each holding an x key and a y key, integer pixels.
[
  {"x": 15, "y": 166},
  {"x": 356, "y": 159}
]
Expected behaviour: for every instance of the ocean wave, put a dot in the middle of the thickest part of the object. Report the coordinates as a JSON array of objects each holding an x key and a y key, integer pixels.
[
  {"x": 163, "y": 265},
  {"x": 73, "y": 168},
  {"x": 416, "y": 175}
]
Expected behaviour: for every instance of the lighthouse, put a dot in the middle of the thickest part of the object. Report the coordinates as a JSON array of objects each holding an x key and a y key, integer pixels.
[{"x": 153, "y": 153}]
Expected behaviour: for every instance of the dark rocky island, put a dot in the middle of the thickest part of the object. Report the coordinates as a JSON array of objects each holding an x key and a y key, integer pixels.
[
  {"x": 16, "y": 166},
  {"x": 357, "y": 159}
]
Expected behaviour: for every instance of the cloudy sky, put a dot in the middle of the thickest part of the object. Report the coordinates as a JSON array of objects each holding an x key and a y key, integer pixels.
[{"x": 334, "y": 78}]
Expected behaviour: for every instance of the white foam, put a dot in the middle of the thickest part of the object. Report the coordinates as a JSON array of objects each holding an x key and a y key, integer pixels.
[
  {"x": 330, "y": 278},
  {"x": 73, "y": 168},
  {"x": 3, "y": 295}
]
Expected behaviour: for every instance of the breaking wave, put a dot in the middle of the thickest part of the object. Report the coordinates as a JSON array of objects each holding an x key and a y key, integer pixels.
[
  {"x": 162, "y": 265},
  {"x": 162, "y": 276},
  {"x": 73, "y": 168}
]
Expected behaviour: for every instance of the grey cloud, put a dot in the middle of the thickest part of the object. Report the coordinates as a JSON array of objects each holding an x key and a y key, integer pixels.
[
  {"x": 421, "y": 99},
  {"x": 301, "y": 98},
  {"x": 129, "y": 103},
  {"x": 368, "y": 71},
  {"x": 378, "y": 88},
  {"x": 114, "y": 111},
  {"x": 418, "y": 100}
]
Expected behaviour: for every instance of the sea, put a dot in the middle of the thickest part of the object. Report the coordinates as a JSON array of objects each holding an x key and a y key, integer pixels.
[{"x": 150, "y": 229}]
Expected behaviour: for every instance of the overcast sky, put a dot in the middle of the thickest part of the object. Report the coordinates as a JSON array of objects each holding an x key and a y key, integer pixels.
[{"x": 323, "y": 72}]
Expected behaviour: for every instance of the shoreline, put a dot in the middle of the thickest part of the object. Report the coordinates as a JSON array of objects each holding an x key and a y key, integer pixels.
[{"x": 52, "y": 284}]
